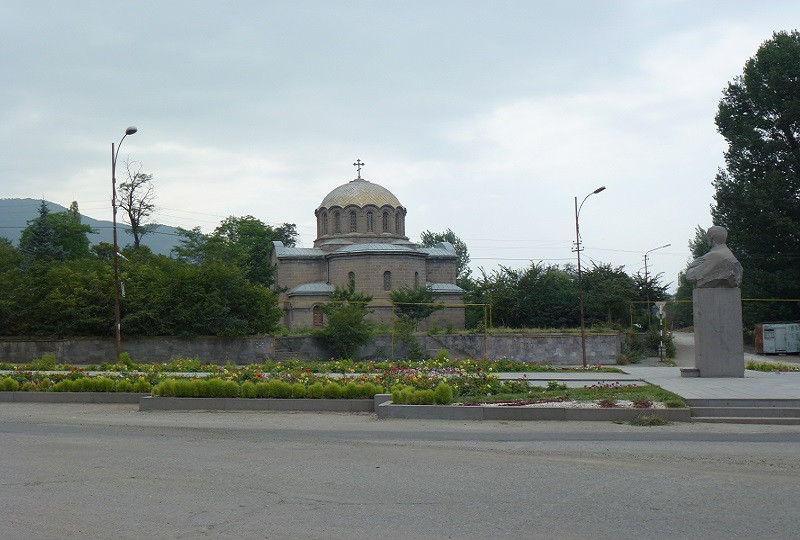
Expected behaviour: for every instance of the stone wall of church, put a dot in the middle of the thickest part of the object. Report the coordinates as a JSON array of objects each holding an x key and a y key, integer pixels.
[
  {"x": 294, "y": 272},
  {"x": 369, "y": 270},
  {"x": 441, "y": 270},
  {"x": 337, "y": 222}
]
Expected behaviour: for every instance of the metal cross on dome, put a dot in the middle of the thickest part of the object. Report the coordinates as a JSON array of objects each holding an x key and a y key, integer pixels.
[{"x": 358, "y": 164}]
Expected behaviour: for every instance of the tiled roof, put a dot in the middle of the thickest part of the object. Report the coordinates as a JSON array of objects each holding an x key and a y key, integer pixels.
[{"x": 360, "y": 192}]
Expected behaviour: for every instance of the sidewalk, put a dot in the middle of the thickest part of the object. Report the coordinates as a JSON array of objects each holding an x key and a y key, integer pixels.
[{"x": 757, "y": 385}]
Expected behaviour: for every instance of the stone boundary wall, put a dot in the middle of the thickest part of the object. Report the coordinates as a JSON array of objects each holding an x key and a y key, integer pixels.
[{"x": 556, "y": 349}]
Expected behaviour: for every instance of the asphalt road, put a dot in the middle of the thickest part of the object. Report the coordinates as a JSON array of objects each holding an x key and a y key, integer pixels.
[{"x": 99, "y": 471}]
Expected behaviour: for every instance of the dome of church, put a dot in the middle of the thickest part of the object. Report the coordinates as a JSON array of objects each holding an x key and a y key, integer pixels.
[{"x": 360, "y": 192}]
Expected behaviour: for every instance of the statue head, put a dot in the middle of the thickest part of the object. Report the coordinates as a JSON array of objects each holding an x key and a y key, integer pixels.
[{"x": 717, "y": 235}]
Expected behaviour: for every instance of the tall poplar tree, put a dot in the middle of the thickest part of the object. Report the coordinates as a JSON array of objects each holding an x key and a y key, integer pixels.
[{"x": 758, "y": 193}]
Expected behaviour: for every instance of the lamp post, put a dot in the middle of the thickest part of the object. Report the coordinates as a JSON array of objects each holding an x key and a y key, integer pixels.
[
  {"x": 130, "y": 131},
  {"x": 647, "y": 283},
  {"x": 580, "y": 276}
]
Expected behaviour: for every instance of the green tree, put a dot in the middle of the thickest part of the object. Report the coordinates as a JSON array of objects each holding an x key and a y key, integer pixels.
[
  {"x": 38, "y": 239},
  {"x": 412, "y": 305},
  {"x": 346, "y": 326},
  {"x": 59, "y": 235},
  {"x": 415, "y": 303},
  {"x": 430, "y": 239},
  {"x": 608, "y": 293},
  {"x": 538, "y": 296},
  {"x": 757, "y": 193},
  {"x": 166, "y": 296},
  {"x": 245, "y": 241}
]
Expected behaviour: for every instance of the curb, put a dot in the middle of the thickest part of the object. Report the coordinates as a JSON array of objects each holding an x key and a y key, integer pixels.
[
  {"x": 388, "y": 410},
  {"x": 71, "y": 397},
  {"x": 150, "y": 403},
  {"x": 381, "y": 404}
]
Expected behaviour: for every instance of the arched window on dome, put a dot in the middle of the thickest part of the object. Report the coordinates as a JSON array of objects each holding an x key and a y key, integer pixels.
[
  {"x": 387, "y": 281},
  {"x": 386, "y": 222},
  {"x": 324, "y": 223},
  {"x": 352, "y": 221},
  {"x": 351, "y": 280},
  {"x": 416, "y": 279},
  {"x": 337, "y": 222},
  {"x": 397, "y": 223},
  {"x": 369, "y": 222}
]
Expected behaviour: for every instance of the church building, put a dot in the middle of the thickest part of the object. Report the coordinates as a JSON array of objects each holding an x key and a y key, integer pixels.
[{"x": 361, "y": 239}]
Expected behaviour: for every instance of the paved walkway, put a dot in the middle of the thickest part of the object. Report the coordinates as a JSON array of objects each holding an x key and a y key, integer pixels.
[{"x": 754, "y": 384}]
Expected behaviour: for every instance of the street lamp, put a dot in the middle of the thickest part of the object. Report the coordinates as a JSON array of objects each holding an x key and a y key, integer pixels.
[
  {"x": 130, "y": 131},
  {"x": 580, "y": 276},
  {"x": 647, "y": 283}
]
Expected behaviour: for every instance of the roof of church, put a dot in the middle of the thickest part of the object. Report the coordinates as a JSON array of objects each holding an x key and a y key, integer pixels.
[
  {"x": 442, "y": 249},
  {"x": 312, "y": 288},
  {"x": 282, "y": 251},
  {"x": 375, "y": 248},
  {"x": 445, "y": 288},
  {"x": 360, "y": 192}
]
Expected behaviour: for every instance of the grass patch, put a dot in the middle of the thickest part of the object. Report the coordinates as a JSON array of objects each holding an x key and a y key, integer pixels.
[
  {"x": 642, "y": 396},
  {"x": 769, "y": 367}
]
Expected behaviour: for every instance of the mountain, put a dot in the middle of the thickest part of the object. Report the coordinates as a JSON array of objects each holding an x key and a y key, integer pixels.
[{"x": 15, "y": 214}]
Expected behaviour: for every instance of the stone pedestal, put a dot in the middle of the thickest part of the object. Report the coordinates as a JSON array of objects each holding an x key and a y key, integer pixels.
[{"x": 718, "y": 349}]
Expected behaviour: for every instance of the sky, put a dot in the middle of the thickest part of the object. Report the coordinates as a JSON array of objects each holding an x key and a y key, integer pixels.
[{"x": 487, "y": 118}]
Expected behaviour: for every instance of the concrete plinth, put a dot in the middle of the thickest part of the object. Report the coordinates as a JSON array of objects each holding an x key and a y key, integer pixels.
[{"x": 718, "y": 349}]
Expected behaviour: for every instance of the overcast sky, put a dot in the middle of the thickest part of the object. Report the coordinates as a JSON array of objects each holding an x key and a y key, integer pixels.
[{"x": 486, "y": 117}]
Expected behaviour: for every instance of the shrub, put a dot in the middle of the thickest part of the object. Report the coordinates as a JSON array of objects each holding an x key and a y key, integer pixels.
[
  {"x": 124, "y": 386},
  {"x": 141, "y": 385},
  {"x": 442, "y": 355},
  {"x": 333, "y": 390},
  {"x": 298, "y": 390},
  {"x": 351, "y": 390},
  {"x": 45, "y": 363},
  {"x": 164, "y": 388},
  {"x": 409, "y": 396},
  {"x": 29, "y": 386},
  {"x": 316, "y": 391},
  {"x": 102, "y": 384},
  {"x": 10, "y": 385},
  {"x": 248, "y": 389},
  {"x": 125, "y": 360},
  {"x": 443, "y": 394}
]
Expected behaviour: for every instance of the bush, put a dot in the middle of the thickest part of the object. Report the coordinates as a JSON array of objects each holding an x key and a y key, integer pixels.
[
  {"x": 352, "y": 390},
  {"x": 248, "y": 389},
  {"x": 409, "y": 396},
  {"x": 316, "y": 391},
  {"x": 46, "y": 363},
  {"x": 125, "y": 360},
  {"x": 9, "y": 385},
  {"x": 124, "y": 386},
  {"x": 333, "y": 390},
  {"x": 298, "y": 390},
  {"x": 443, "y": 394},
  {"x": 141, "y": 385}
]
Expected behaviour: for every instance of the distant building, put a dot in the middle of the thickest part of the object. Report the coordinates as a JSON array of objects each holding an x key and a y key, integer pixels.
[{"x": 361, "y": 239}]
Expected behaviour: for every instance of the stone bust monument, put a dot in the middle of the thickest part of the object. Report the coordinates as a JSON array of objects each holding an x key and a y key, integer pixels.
[{"x": 718, "y": 268}]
